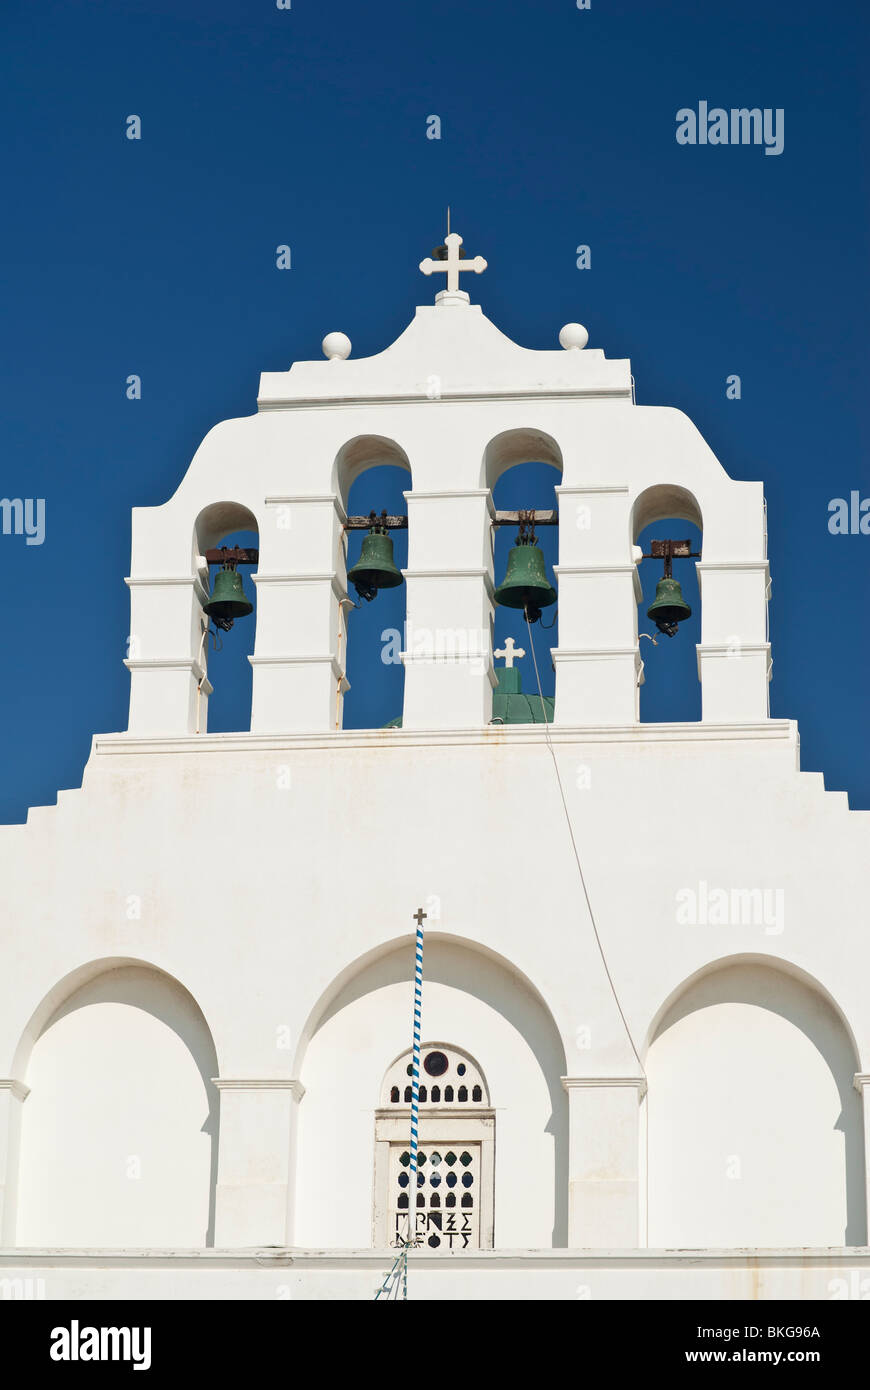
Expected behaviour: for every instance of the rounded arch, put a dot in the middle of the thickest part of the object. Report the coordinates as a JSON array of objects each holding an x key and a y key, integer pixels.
[
  {"x": 56, "y": 1001},
  {"x": 482, "y": 1005},
  {"x": 680, "y": 993},
  {"x": 754, "y": 1126},
  {"x": 361, "y": 453},
  {"x": 660, "y": 502},
  {"x": 355, "y": 971},
  {"x": 221, "y": 519},
  {"x": 523, "y": 445}
]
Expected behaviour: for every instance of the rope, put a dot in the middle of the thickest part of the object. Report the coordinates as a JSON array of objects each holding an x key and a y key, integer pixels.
[{"x": 576, "y": 851}]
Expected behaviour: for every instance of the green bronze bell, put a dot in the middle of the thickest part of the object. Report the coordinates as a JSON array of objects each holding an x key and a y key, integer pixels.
[
  {"x": 375, "y": 568},
  {"x": 228, "y": 599},
  {"x": 668, "y": 608},
  {"x": 525, "y": 583}
]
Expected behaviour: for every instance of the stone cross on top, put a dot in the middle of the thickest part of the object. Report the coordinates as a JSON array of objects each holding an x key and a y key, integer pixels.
[
  {"x": 510, "y": 652},
  {"x": 452, "y": 263}
]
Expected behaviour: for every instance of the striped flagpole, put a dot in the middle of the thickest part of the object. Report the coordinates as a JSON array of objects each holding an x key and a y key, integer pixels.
[
  {"x": 419, "y": 917},
  {"x": 398, "y": 1275}
]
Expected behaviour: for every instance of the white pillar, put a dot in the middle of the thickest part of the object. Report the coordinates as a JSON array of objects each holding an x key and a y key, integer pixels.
[
  {"x": 299, "y": 682},
  {"x": 597, "y": 660},
  {"x": 603, "y": 1155},
  {"x": 12, "y": 1096},
  {"x": 166, "y": 656},
  {"x": 861, "y": 1083},
  {"x": 734, "y": 663},
  {"x": 449, "y": 675},
  {"x": 254, "y": 1194}
]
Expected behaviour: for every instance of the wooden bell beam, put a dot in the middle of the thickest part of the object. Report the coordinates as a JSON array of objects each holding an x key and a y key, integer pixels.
[{"x": 400, "y": 523}]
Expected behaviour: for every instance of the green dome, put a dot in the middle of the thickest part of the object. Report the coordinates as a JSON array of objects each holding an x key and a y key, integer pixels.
[{"x": 509, "y": 704}]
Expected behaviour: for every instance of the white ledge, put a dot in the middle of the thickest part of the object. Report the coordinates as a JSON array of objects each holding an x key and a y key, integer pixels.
[
  {"x": 772, "y": 730},
  {"x": 257, "y": 1256}
]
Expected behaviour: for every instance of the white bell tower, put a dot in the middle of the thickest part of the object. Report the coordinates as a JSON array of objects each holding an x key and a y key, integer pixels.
[{"x": 455, "y": 403}]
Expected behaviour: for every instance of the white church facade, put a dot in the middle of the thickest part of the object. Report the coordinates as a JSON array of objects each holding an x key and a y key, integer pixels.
[{"x": 645, "y": 1024}]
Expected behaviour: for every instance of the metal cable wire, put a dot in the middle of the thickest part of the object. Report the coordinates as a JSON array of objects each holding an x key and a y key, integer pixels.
[{"x": 576, "y": 851}]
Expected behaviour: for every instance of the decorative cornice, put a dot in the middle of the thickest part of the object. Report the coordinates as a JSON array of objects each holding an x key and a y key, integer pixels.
[
  {"x": 573, "y": 489},
  {"x": 763, "y": 565},
  {"x": 475, "y": 1110},
  {"x": 860, "y": 1080},
  {"x": 18, "y": 1088},
  {"x": 593, "y": 653},
  {"x": 333, "y": 741},
  {"x": 573, "y": 393},
  {"x": 262, "y": 1083},
  {"x": 166, "y": 663},
  {"x": 582, "y": 1082},
  {"x": 162, "y": 581},
  {"x": 304, "y": 659}
]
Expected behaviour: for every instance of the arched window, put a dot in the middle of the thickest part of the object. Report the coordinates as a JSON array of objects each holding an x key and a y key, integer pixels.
[
  {"x": 671, "y": 688},
  {"x": 455, "y": 1156},
  {"x": 226, "y": 690},
  {"x": 373, "y": 474},
  {"x": 522, "y": 469}
]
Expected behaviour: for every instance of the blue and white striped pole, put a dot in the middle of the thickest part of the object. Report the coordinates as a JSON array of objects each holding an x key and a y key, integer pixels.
[
  {"x": 399, "y": 1273},
  {"x": 419, "y": 916}
]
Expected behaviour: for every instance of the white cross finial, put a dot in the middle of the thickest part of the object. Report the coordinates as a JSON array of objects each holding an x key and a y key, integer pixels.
[
  {"x": 452, "y": 264},
  {"x": 510, "y": 652}
]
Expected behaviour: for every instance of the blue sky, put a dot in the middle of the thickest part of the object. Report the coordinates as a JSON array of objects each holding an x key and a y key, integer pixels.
[{"x": 308, "y": 127}]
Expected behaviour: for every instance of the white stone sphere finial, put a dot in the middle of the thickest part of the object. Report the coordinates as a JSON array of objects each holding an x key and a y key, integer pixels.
[
  {"x": 336, "y": 346},
  {"x": 573, "y": 336}
]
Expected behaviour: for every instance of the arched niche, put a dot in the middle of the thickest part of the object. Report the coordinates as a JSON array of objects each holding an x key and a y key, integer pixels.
[
  {"x": 221, "y": 519},
  {"x": 361, "y": 453},
  {"x": 373, "y": 473},
  {"x": 119, "y": 1133},
  {"x": 664, "y": 501},
  {"x": 754, "y": 1128},
  {"x": 225, "y": 654},
  {"x": 516, "y": 446},
  {"x": 671, "y": 689},
  {"x": 482, "y": 1005}
]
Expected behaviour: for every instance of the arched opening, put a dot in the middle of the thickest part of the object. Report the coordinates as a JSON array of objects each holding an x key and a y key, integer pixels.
[
  {"x": 522, "y": 468},
  {"x": 373, "y": 473},
  {"x": 499, "y": 1017},
  {"x": 230, "y": 526},
  {"x": 119, "y": 1132},
  {"x": 671, "y": 689},
  {"x": 754, "y": 1127}
]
